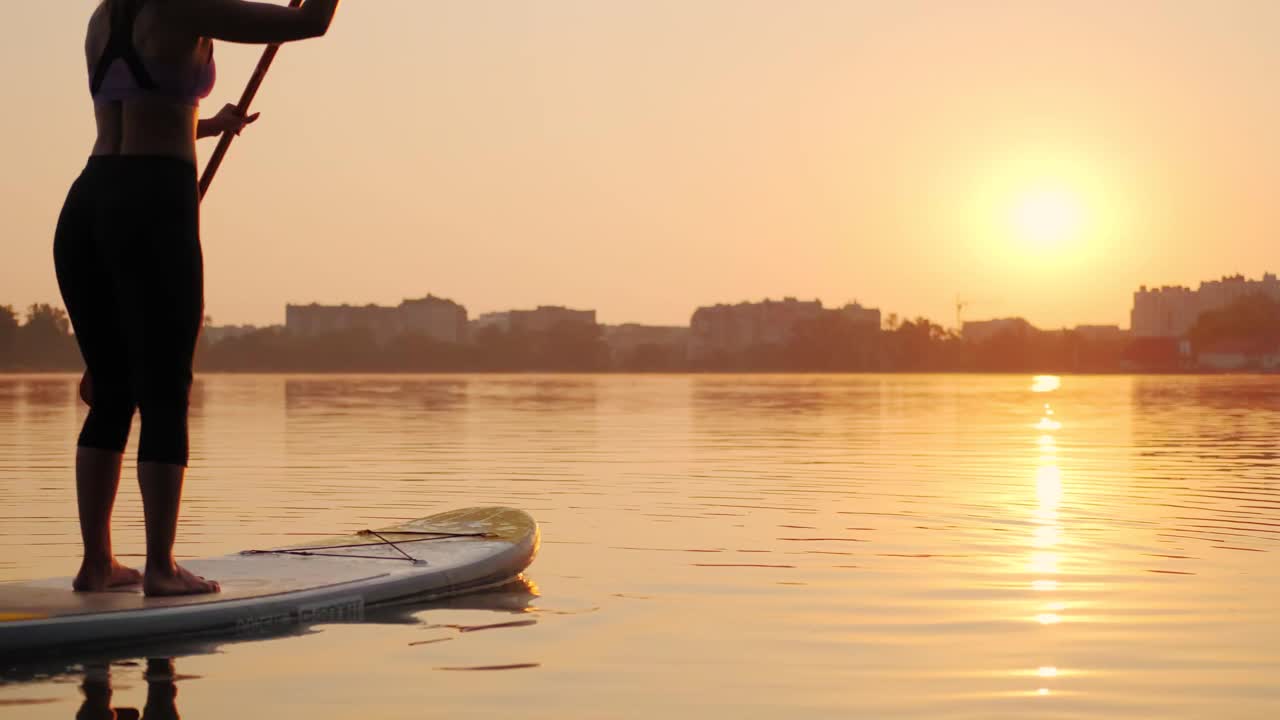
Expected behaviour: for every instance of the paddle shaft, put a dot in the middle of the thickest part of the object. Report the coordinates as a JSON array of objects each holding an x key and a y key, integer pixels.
[{"x": 251, "y": 90}]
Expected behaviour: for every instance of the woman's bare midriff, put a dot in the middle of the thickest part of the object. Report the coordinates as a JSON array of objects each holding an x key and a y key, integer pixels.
[{"x": 146, "y": 127}]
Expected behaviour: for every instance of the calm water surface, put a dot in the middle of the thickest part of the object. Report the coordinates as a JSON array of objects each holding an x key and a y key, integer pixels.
[{"x": 746, "y": 546}]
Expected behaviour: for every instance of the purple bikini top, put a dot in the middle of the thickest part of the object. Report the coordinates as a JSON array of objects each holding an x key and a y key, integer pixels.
[{"x": 122, "y": 74}]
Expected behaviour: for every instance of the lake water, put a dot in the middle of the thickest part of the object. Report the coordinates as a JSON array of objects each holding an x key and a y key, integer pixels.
[{"x": 716, "y": 546}]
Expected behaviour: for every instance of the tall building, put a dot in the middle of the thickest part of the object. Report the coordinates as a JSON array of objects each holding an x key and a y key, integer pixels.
[
  {"x": 733, "y": 328},
  {"x": 1163, "y": 312},
  {"x": 861, "y": 315},
  {"x": 437, "y": 318},
  {"x": 1171, "y": 311}
]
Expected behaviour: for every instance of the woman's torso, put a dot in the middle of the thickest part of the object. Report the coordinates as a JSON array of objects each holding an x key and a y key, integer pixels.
[{"x": 147, "y": 123}]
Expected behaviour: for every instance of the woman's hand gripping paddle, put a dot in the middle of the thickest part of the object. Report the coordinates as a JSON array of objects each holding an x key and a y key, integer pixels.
[{"x": 251, "y": 90}]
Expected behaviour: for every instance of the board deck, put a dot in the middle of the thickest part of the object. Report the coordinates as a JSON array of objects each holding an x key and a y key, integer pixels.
[{"x": 329, "y": 579}]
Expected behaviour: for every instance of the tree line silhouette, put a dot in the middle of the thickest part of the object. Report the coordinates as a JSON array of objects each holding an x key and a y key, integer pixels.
[{"x": 42, "y": 341}]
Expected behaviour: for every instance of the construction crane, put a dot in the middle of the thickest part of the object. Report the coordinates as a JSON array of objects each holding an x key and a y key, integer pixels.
[
  {"x": 960, "y": 306},
  {"x": 963, "y": 304}
]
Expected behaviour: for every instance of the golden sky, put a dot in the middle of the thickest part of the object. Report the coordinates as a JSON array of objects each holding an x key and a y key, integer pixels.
[{"x": 1038, "y": 158}]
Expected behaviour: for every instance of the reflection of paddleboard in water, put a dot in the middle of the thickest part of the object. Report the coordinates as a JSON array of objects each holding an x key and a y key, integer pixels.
[{"x": 327, "y": 580}]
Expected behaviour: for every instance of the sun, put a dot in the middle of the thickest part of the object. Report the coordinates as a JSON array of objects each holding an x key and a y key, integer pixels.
[
  {"x": 1039, "y": 212},
  {"x": 1047, "y": 217}
]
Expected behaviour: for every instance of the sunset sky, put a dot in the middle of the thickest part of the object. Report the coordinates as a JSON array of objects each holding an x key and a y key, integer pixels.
[{"x": 642, "y": 158}]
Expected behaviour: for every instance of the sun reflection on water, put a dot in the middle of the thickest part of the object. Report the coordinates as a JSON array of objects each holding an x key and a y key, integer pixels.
[
  {"x": 1048, "y": 424},
  {"x": 1048, "y": 490},
  {"x": 1044, "y": 562},
  {"x": 1047, "y": 534},
  {"x": 1045, "y": 383}
]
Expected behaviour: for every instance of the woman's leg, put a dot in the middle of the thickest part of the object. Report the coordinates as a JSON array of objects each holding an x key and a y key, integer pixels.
[
  {"x": 97, "y": 478},
  {"x": 159, "y": 260},
  {"x": 161, "y": 485},
  {"x": 87, "y": 293}
]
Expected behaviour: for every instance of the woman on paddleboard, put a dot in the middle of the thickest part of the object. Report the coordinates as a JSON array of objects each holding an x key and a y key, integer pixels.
[{"x": 128, "y": 258}]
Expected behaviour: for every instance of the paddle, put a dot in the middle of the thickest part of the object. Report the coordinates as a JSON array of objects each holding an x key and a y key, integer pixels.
[
  {"x": 251, "y": 90},
  {"x": 215, "y": 160}
]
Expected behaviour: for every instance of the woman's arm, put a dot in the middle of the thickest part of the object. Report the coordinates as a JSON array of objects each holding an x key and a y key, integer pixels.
[
  {"x": 252, "y": 22},
  {"x": 228, "y": 120}
]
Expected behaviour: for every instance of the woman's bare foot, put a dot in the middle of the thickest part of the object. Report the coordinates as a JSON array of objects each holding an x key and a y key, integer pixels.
[
  {"x": 176, "y": 580},
  {"x": 101, "y": 576}
]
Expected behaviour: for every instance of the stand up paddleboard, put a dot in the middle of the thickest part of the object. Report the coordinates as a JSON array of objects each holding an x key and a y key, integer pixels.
[{"x": 324, "y": 581}]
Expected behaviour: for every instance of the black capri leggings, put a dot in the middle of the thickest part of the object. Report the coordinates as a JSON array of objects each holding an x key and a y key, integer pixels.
[{"x": 131, "y": 272}]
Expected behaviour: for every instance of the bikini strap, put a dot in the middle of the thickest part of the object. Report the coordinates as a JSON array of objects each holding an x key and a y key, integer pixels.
[{"x": 120, "y": 47}]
